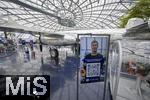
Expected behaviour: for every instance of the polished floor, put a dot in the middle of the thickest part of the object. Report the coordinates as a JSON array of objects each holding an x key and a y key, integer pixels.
[
  {"x": 63, "y": 74},
  {"x": 127, "y": 90}
]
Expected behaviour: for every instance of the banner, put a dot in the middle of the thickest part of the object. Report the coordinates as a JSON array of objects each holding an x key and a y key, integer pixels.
[{"x": 93, "y": 55}]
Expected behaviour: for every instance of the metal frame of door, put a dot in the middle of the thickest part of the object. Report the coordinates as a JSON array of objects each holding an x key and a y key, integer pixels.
[{"x": 106, "y": 68}]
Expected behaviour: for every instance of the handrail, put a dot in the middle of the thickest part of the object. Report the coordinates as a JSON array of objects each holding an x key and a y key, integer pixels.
[{"x": 137, "y": 54}]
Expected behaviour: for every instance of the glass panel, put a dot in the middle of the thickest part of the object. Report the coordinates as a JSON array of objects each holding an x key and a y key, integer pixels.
[{"x": 78, "y": 14}]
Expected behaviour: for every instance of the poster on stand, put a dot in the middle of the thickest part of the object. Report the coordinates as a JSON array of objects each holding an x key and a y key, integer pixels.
[{"x": 93, "y": 58}]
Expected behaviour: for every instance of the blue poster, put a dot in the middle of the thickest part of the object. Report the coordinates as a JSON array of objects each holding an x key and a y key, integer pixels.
[{"x": 93, "y": 53}]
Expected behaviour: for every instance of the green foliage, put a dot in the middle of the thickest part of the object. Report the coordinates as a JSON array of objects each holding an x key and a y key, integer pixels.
[{"x": 140, "y": 10}]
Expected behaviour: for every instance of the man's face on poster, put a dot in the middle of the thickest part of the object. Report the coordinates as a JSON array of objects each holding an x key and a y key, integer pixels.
[{"x": 94, "y": 46}]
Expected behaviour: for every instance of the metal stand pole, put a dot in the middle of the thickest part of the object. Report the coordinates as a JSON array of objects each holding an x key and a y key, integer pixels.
[{"x": 78, "y": 68}]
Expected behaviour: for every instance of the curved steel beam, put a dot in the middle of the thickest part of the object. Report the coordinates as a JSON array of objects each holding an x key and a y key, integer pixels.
[{"x": 18, "y": 2}]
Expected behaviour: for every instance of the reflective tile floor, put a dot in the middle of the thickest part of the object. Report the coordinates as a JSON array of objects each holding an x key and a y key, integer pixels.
[
  {"x": 127, "y": 90},
  {"x": 63, "y": 74}
]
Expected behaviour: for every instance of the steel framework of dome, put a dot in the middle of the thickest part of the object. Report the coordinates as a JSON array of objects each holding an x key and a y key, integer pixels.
[{"x": 62, "y": 15}]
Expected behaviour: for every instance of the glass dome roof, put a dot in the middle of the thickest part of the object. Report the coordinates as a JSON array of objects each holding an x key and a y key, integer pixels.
[{"x": 62, "y": 15}]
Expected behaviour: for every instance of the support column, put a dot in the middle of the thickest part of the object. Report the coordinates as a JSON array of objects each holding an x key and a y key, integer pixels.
[
  {"x": 40, "y": 43},
  {"x": 5, "y": 33}
]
